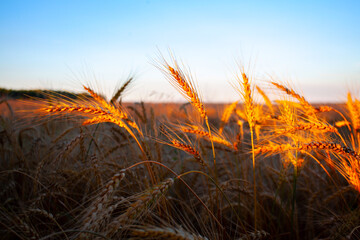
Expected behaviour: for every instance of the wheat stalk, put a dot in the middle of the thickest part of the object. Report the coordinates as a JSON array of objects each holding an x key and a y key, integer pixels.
[
  {"x": 186, "y": 86},
  {"x": 28, "y": 230},
  {"x": 337, "y": 148},
  {"x": 354, "y": 113},
  {"x": 246, "y": 93},
  {"x": 69, "y": 109},
  {"x": 208, "y": 136},
  {"x": 116, "y": 112},
  {"x": 266, "y": 99},
  {"x": 121, "y": 90},
  {"x": 323, "y": 109},
  {"x": 99, "y": 208},
  {"x": 349, "y": 167},
  {"x": 181, "y": 144},
  {"x": 137, "y": 208},
  {"x": 189, "y": 149},
  {"x": 256, "y": 235},
  {"x": 295, "y": 95},
  {"x": 226, "y": 115},
  {"x": 343, "y": 123},
  {"x": 273, "y": 148},
  {"x": 308, "y": 126},
  {"x": 351, "y": 172},
  {"x": 163, "y": 233}
]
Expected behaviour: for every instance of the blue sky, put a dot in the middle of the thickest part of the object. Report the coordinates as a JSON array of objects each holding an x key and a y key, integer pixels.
[{"x": 62, "y": 44}]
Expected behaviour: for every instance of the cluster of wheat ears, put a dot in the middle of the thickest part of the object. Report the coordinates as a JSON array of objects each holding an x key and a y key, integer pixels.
[{"x": 85, "y": 168}]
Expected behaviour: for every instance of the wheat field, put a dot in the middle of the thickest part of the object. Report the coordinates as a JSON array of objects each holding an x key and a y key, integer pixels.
[{"x": 92, "y": 167}]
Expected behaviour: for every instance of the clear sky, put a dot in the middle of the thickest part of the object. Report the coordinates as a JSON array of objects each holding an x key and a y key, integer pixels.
[{"x": 60, "y": 44}]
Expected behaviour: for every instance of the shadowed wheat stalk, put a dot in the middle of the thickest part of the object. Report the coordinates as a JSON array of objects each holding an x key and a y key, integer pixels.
[{"x": 163, "y": 233}]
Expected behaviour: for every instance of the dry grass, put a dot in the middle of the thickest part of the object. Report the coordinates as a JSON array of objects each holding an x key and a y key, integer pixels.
[{"x": 90, "y": 169}]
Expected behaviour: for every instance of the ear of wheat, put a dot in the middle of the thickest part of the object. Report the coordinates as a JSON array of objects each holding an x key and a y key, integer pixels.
[
  {"x": 99, "y": 208},
  {"x": 295, "y": 95},
  {"x": 226, "y": 115},
  {"x": 121, "y": 90},
  {"x": 141, "y": 205},
  {"x": 163, "y": 233},
  {"x": 204, "y": 134},
  {"x": 247, "y": 95},
  {"x": 189, "y": 149},
  {"x": 273, "y": 148},
  {"x": 308, "y": 127},
  {"x": 181, "y": 144},
  {"x": 336, "y": 148},
  {"x": 97, "y": 110},
  {"x": 347, "y": 164},
  {"x": 186, "y": 86},
  {"x": 116, "y": 112},
  {"x": 354, "y": 112},
  {"x": 266, "y": 99}
]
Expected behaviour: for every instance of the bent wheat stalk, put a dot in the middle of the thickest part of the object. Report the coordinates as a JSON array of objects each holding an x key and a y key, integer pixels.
[
  {"x": 207, "y": 135},
  {"x": 295, "y": 95},
  {"x": 100, "y": 116},
  {"x": 189, "y": 149},
  {"x": 181, "y": 144},
  {"x": 100, "y": 110},
  {"x": 116, "y": 112},
  {"x": 186, "y": 86},
  {"x": 348, "y": 167},
  {"x": 337, "y": 148}
]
